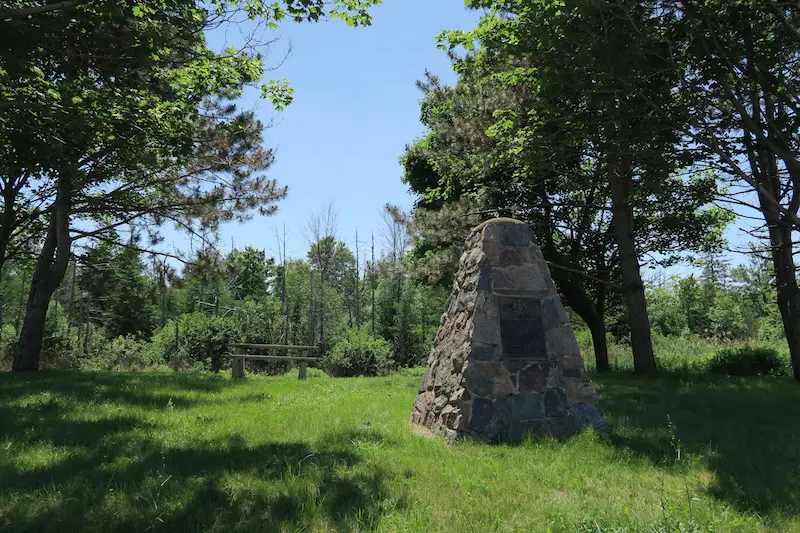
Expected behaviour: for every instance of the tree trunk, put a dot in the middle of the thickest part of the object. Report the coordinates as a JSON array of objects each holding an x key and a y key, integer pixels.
[
  {"x": 621, "y": 185},
  {"x": 310, "y": 307},
  {"x": 580, "y": 302},
  {"x": 600, "y": 343},
  {"x": 51, "y": 267},
  {"x": 30, "y": 340},
  {"x": 574, "y": 290},
  {"x": 788, "y": 292},
  {"x": 8, "y": 221}
]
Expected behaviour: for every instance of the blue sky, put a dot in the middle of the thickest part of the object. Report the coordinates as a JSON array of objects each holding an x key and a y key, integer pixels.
[{"x": 356, "y": 106}]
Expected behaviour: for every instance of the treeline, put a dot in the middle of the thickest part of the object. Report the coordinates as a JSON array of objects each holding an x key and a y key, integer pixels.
[
  {"x": 120, "y": 308},
  {"x": 721, "y": 303}
]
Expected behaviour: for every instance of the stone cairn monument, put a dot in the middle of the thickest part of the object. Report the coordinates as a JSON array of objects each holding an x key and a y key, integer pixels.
[{"x": 505, "y": 362}]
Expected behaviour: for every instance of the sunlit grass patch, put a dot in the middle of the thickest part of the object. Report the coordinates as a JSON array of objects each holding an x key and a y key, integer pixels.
[{"x": 195, "y": 452}]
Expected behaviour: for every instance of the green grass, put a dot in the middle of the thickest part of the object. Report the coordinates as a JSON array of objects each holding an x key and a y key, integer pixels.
[
  {"x": 687, "y": 354},
  {"x": 182, "y": 452}
]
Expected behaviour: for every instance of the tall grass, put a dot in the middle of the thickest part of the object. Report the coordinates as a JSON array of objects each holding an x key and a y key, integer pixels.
[{"x": 680, "y": 354}]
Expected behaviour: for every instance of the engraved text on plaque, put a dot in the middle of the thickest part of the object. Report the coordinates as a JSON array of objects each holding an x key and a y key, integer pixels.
[{"x": 522, "y": 328}]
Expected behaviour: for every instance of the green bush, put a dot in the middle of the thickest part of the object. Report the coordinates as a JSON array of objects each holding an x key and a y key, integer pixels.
[
  {"x": 60, "y": 342},
  {"x": 748, "y": 361},
  {"x": 412, "y": 372},
  {"x": 584, "y": 338},
  {"x": 91, "y": 352},
  {"x": 311, "y": 373},
  {"x": 358, "y": 354},
  {"x": 8, "y": 342},
  {"x": 201, "y": 344},
  {"x": 126, "y": 353}
]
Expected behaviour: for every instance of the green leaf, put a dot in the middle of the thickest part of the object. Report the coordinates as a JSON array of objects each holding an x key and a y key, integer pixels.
[{"x": 280, "y": 93}]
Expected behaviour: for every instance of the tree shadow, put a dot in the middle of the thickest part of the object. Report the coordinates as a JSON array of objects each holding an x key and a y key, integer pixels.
[
  {"x": 117, "y": 472},
  {"x": 143, "y": 390},
  {"x": 747, "y": 431}
]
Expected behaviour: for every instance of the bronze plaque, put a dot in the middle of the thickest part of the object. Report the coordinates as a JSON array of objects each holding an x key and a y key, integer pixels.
[{"x": 522, "y": 328}]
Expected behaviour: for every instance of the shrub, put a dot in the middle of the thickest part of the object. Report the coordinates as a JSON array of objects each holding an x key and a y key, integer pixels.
[
  {"x": 90, "y": 348},
  {"x": 358, "y": 354},
  {"x": 60, "y": 342},
  {"x": 748, "y": 361},
  {"x": 8, "y": 342},
  {"x": 311, "y": 373},
  {"x": 412, "y": 372},
  {"x": 126, "y": 353},
  {"x": 584, "y": 338},
  {"x": 201, "y": 344}
]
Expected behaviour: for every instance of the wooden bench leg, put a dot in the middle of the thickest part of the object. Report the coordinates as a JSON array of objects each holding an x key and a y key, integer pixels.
[
  {"x": 301, "y": 370},
  {"x": 237, "y": 372}
]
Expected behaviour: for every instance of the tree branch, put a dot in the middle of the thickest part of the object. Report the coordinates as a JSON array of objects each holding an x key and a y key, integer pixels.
[{"x": 37, "y": 10}]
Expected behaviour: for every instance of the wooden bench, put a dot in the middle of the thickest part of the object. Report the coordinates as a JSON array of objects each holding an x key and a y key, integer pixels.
[{"x": 244, "y": 351}]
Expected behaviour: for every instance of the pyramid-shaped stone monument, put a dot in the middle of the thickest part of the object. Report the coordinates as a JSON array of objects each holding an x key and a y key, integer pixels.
[{"x": 505, "y": 362}]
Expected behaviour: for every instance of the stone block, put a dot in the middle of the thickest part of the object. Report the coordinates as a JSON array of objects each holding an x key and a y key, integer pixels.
[
  {"x": 484, "y": 283},
  {"x": 526, "y": 278},
  {"x": 555, "y": 378},
  {"x": 555, "y": 402},
  {"x": 446, "y": 381},
  {"x": 472, "y": 257},
  {"x": 466, "y": 413},
  {"x": 424, "y": 402},
  {"x": 528, "y": 406},
  {"x": 517, "y": 235},
  {"x": 571, "y": 362},
  {"x": 427, "y": 381},
  {"x": 511, "y": 257},
  {"x": 562, "y": 313},
  {"x": 514, "y": 367},
  {"x": 514, "y": 378},
  {"x": 450, "y": 416},
  {"x": 560, "y": 428},
  {"x": 588, "y": 415},
  {"x": 481, "y": 352},
  {"x": 500, "y": 280},
  {"x": 533, "y": 379},
  {"x": 576, "y": 373},
  {"x": 561, "y": 342},
  {"x": 482, "y": 303},
  {"x": 580, "y": 391},
  {"x": 503, "y": 408},
  {"x": 503, "y": 387},
  {"x": 572, "y": 388},
  {"x": 440, "y": 402},
  {"x": 491, "y": 368},
  {"x": 483, "y": 413},
  {"x": 485, "y": 330},
  {"x": 475, "y": 381},
  {"x": 551, "y": 315}
]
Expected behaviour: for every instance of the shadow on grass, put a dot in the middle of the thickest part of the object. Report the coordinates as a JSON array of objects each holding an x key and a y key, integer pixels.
[
  {"x": 746, "y": 429},
  {"x": 132, "y": 389},
  {"x": 119, "y": 474}
]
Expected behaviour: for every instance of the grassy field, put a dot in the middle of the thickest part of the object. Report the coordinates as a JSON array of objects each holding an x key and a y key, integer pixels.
[{"x": 181, "y": 452}]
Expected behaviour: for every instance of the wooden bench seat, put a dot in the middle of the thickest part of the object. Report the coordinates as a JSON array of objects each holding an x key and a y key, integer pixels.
[{"x": 241, "y": 352}]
